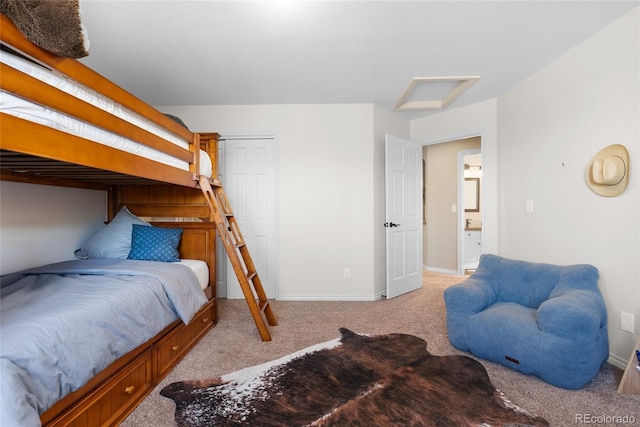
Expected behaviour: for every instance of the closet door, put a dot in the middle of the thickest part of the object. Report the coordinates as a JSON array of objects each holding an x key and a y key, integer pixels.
[{"x": 249, "y": 182}]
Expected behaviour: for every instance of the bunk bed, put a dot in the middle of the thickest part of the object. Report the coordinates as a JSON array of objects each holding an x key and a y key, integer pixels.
[{"x": 153, "y": 168}]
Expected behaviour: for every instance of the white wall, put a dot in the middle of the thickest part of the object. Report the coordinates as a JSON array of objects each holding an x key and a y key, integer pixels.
[
  {"x": 327, "y": 161},
  {"x": 550, "y": 125},
  {"x": 330, "y": 186},
  {"x": 42, "y": 224},
  {"x": 330, "y": 161}
]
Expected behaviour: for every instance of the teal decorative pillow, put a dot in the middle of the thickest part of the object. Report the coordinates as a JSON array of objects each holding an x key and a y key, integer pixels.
[
  {"x": 114, "y": 240},
  {"x": 155, "y": 243}
]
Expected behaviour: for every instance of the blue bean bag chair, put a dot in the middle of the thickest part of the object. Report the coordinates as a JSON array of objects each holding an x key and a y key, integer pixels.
[{"x": 539, "y": 319}]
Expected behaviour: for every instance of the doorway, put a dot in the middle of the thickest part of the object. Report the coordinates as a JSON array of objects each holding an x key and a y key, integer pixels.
[
  {"x": 444, "y": 211},
  {"x": 470, "y": 216}
]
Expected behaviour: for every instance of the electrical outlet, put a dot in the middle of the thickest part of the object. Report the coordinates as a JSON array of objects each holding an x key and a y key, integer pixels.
[
  {"x": 626, "y": 322},
  {"x": 347, "y": 273}
]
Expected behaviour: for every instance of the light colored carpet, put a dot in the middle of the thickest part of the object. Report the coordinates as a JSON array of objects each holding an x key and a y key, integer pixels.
[{"x": 234, "y": 344}]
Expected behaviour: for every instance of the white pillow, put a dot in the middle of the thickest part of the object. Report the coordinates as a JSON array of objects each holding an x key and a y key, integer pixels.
[{"x": 114, "y": 240}]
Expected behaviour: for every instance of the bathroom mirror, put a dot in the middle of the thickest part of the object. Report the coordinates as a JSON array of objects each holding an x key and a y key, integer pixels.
[{"x": 472, "y": 194}]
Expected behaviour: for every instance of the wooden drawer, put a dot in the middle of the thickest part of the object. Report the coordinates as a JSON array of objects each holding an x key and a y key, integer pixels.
[
  {"x": 176, "y": 344},
  {"x": 200, "y": 324},
  {"x": 114, "y": 400}
]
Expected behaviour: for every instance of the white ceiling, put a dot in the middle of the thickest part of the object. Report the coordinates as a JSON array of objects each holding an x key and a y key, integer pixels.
[{"x": 289, "y": 52}]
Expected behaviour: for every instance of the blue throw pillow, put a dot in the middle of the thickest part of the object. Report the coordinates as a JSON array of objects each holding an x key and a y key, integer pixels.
[
  {"x": 114, "y": 240},
  {"x": 155, "y": 243}
]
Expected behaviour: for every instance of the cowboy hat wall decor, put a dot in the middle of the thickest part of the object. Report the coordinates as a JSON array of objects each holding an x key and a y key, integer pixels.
[{"x": 608, "y": 171}]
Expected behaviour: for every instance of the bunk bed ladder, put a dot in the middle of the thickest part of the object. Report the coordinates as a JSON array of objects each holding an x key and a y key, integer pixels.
[{"x": 239, "y": 255}]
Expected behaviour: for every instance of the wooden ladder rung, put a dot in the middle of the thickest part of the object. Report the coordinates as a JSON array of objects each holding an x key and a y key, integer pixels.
[
  {"x": 250, "y": 276},
  {"x": 263, "y": 305}
]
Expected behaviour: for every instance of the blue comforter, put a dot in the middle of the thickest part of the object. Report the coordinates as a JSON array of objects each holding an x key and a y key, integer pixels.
[{"x": 63, "y": 323}]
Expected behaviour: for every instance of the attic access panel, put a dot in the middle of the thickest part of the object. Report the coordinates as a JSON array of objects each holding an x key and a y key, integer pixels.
[{"x": 433, "y": 93}]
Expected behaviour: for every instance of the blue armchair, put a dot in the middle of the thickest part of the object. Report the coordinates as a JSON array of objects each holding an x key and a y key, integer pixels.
[{"x": 539, "y": 319}]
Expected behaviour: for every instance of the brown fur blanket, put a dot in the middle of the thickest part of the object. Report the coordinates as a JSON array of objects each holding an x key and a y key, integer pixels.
[
  {"x": 356, "y": 380},
  {"x": 52, "y": 25}
]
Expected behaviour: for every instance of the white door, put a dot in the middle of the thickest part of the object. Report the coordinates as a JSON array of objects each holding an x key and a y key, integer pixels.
[
  {"x": 403, "y": 168},
  {"x": 249, "y": 181}
]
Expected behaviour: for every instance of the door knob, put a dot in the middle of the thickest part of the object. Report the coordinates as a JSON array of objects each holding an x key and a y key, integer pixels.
[{"x": 391, "y": 224}]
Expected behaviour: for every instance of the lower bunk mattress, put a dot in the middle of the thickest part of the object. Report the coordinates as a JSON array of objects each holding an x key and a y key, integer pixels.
[{"x": 61, "y": 324}]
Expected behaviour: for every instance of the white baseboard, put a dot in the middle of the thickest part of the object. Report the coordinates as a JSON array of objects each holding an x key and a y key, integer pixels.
[
  {"x": 617, "y": 361},
  {"x": 439, "y": 270},
  {"x": 331, "y": 298}
]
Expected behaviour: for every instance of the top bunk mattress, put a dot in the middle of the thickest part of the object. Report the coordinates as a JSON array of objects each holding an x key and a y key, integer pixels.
[{"x": 33, "y": 112}]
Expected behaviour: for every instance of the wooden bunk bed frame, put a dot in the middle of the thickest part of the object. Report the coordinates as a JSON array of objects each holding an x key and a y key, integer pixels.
[
  {"x": 34, "y": 153},
  {"x": 83, "y": 160}
]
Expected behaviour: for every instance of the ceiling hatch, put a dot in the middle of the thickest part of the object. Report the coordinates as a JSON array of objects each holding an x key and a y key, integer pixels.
[{"x": 433, "y": 93}]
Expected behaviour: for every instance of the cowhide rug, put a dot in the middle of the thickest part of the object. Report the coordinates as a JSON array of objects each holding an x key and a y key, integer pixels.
[{"x": 355, "y": 380}]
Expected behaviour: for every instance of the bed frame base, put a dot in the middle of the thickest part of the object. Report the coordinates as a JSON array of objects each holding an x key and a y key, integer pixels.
[{"x": 114, "y": 393}]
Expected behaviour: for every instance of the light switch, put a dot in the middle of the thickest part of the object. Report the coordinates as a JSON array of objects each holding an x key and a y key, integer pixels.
[{"x": 529, "y": 205}]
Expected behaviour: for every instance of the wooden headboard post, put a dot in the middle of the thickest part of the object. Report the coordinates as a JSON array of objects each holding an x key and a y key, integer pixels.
[{"x": 209, "y": 144}]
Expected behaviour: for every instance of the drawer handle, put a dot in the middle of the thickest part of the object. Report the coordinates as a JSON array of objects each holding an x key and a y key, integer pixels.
[
  {"x": 175, "y": 348},
  {"x": 129, "y": 390},
  {"x": 205, "y": 319}
]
